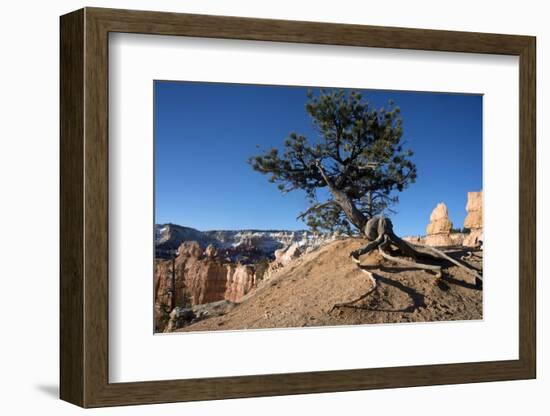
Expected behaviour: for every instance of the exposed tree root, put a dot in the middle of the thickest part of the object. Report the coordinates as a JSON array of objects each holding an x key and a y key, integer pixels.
[
  {"x": 350, "y": 303},
  {"x": 403, "y": 262},
  {"x": 442, "y": 255},
  {"x": 471, "y": 255},
  {"x": 369, "y": 247},
  {"x": 416, "y": 298},
  {"x": 380, "y": 231}
]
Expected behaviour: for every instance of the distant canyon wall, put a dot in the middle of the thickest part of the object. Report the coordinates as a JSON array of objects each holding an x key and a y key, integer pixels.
[
  {"x": 198, "y": 276},
  {"x": 244, "y": 246}
]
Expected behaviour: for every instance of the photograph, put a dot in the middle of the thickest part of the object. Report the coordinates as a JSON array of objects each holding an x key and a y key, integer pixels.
[
  {"x": 281, "y": 206},
  {"x": 336, "y": 204}
]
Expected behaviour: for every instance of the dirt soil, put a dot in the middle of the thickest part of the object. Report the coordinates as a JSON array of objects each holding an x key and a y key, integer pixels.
[{"x": 304, "y": 293}]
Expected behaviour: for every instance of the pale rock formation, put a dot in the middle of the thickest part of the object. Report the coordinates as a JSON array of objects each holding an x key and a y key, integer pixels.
[
  {"x": 286, "y": 255},
  {"x": 474, "y": 219},
  {"x": 439, "y": 221},
  {"x": 189, "y": 249},
  {"x": 195, "y": 277},
  {"x": 474, "y": 207},
  {"x": 457, "y": 238},
  {"x": 474, "y": 238},
  {"x": 203, "y": 280},
  {"x": 283, "y": 257},
  {"x": 241, "y": 279},
  {"x": 438, "y": 240},
  {"x": 211, "y": 251},
  {"x": 439, "y": 229}
]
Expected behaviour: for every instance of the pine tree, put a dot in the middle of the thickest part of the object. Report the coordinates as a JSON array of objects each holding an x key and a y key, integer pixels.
[{"x": 358, "y": 157}]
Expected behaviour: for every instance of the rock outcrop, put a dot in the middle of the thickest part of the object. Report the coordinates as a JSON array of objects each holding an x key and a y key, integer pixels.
[
  {"x": 241, "y": 279},
  {"x": 283, "y": 257},
  {"x": 439, "y": 221},
  {"x": 438, "y": 231},
  {"x": 196, "y": 276},
  {"x": 286, "y": 255},
  {"x": 474, "y": 219},
  {"x": 474, "y": 207},
  {"x": 181, "y": 317}
]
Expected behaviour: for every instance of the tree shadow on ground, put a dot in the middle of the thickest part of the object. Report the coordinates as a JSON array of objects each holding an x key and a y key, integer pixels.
[
  {"x": 442, "y": 282},
  {"x": 416, "y": 297},
  {"x": 478, "y": 285}
]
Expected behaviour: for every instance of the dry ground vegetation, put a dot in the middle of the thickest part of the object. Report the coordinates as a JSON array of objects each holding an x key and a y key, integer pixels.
[{"x": 325, "y": 288}]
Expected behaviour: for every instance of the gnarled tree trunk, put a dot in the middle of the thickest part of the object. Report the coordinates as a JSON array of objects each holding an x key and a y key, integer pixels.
[{"x": 356, "y": 217}]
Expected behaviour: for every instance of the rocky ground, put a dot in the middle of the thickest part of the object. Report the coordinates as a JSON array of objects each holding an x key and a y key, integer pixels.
[{"x": 305, "y": 291}]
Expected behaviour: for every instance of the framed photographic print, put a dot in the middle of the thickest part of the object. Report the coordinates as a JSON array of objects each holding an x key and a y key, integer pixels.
[{"x": 335, "y": 207}]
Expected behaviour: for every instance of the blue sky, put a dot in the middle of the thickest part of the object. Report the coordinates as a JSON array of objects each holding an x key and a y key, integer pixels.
[{"x": 205, "y": 133}]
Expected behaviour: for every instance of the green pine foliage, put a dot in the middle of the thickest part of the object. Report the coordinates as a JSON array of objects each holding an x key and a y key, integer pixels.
[{"x": 359, "y": 148}]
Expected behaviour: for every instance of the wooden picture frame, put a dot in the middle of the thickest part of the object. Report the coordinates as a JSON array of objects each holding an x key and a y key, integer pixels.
[{"x": 84, "y": 207}]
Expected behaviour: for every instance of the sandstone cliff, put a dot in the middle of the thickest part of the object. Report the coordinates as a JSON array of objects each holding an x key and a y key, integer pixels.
[
  {"x": 240, "y": 280},
  {"x": 196, "y": 276}
]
